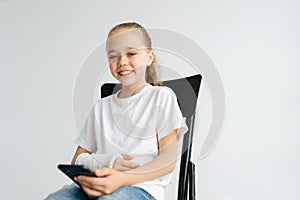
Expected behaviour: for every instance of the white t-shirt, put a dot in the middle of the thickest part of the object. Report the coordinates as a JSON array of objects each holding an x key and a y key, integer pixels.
[{"x": 133, "y": 126}]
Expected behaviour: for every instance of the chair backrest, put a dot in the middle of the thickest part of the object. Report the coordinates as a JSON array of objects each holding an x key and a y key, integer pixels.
[{"x": 186, "y": 90}]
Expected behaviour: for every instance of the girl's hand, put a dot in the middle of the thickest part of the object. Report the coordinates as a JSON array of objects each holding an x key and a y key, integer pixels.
[
  {"x": 123, "y": 164},
  {"x": 109, "y": 180}
]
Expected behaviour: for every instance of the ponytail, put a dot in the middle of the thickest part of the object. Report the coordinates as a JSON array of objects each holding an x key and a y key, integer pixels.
[{"x": 151, "y": 73}]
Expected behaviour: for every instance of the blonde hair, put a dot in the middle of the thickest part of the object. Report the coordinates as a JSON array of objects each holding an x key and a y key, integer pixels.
[{"x": 151, "y": 73}]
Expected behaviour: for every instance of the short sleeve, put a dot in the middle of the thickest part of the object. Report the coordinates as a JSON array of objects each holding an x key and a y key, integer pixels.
[
  {"x": 87, "y": 136},
  {"x": 170, "y": 116}
]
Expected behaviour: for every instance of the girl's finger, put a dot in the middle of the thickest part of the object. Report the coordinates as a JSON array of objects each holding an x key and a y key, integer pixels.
[
  {"x": 127, "y": 157},
  {"x": 103, "y": 172},
  {"x": 84, "y": 183},
  {"x": 91, "y": 193},
  {"x": 91, "y": 182},
  {"x": 123, "y": 168},
  {"x": 130, "y": 165}
]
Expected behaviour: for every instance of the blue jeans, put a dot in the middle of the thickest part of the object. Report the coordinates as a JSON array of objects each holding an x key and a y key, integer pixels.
[{"x": 74, "y": 192}]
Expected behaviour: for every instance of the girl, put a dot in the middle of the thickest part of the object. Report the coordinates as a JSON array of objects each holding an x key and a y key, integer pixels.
[{"x": 130, "y": 138}]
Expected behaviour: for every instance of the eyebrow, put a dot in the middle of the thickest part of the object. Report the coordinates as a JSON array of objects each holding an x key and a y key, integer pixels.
[{"x": 125, "y": 48}]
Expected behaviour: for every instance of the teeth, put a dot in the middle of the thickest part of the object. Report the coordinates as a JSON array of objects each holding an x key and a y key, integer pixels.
[{"x": 125, "y": 72}]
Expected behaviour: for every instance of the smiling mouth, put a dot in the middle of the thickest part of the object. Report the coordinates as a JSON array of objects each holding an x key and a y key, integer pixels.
[{"x": 123, "y": 73}]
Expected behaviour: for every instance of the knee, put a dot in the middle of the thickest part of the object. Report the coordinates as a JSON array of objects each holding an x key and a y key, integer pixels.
[
  {"x": 52, "y": 196},
  {"x": 56, "y": 195},
  {"x": 67, "y": 192}
]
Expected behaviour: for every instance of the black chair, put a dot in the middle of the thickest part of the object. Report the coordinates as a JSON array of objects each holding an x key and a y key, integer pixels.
[{"x": 186, "y": 90}]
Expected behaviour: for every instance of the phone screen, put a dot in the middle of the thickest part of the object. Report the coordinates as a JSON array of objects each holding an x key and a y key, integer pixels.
[{"x": 75, "y": 170}]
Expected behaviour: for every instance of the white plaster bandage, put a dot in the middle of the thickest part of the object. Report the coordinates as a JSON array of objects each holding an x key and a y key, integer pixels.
[{"x": 96, "y": 161}]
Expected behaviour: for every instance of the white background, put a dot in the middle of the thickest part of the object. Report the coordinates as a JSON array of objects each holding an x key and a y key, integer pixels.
[{"x": 255, "y": 47}]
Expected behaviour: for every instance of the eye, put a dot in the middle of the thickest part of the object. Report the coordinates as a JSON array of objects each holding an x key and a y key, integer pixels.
[
  {"x": 132, "y": 54},
  {"x": 113, "y": 57}
]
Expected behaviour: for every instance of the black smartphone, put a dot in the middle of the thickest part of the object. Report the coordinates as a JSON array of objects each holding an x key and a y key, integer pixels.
[{"x": 75, "y": 170}]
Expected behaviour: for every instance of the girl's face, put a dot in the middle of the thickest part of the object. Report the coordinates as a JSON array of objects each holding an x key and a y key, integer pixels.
[{"x": 128, "y": 57}]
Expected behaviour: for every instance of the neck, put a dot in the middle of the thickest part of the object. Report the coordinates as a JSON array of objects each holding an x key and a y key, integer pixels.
[{"x": 128, "y": 91}]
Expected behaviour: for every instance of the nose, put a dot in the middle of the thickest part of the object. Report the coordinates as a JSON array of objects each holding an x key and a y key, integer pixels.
[{"x": 122, "y": 60}]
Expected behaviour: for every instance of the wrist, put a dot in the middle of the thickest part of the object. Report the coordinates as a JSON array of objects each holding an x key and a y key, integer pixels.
[{"x": 127, "y": 179}]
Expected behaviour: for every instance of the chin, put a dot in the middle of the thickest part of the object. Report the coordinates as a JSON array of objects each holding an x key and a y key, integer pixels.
[{"x": 126, "y": 82}]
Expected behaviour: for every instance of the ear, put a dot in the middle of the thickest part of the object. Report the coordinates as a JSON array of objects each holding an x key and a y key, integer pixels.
[{"x": 151, "y": 56}]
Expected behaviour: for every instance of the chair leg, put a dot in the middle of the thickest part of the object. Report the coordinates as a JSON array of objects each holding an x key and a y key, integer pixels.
[
  {"x": 183, "y": 178},
  {"x": 191, "y": 175}
]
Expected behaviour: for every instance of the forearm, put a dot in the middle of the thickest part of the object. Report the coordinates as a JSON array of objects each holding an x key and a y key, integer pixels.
[{"x": 162, "y": 165}]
